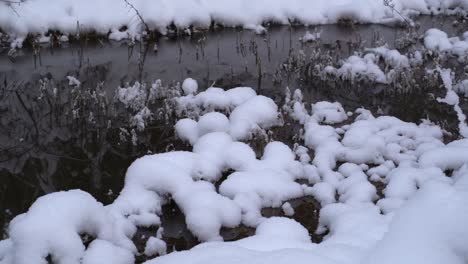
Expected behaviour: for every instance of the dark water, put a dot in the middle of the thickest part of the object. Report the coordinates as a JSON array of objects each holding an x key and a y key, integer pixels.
[{"x": 45, "y": 148}]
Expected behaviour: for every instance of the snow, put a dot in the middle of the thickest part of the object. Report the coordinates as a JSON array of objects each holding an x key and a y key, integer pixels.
[
  {"x": 189, "y": 86},
  {"x": 462, "y": 88},
  {"x": 6, "y": 246},
  {"x": 404, "y": 181},
  {"x": 75, "y": 17},
  {"x": 355, "y": 67},
  {"x": 213, "y": 99},
  {"x": 438, "y": 41},
  {"x": 379, "y": 172},
  {"x": 212, "y": 122},
  {"x": 310, "y": 37},
  {"x": 187, "y": 130},
  {"x": 257, "y": 113},
  {"x": 155, "y": 246},
  {"x": 101, "y": 251},
  {"x": 139, "y": 120},
  {"x": 385, "y": 141},
  {"x": 133, "y": 97},
  {"x": 173, "y": 173},
  {"x": 429, "y": 228},
  {"x": 282, "y": 231},
  {"x": 366, "y": 66},
  {"x": 53, "y": 227},
  {"x": 417, "y": 216},
  {"x": 249, "y": 114},
  {"x": 391, "y": 57},
  {"x": 449, "y": 157},
  {"x": 355, "y": 188},
  {"x": 354, "y": 225},
  {"x": 273, "y": 238},
  {"x": 269, "y": 182},
  {"x": 323, "y": 192},
  {"x": 72, "y": 81},
  {"x": 453, "y": 99},
  {"x": 329, "y": 113},
  {"x": 288, "y": 209}
]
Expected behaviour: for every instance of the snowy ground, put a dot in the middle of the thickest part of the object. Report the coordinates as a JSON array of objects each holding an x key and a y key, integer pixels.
[
  {"x": 122, "y": 20},
  {"x": 418, "y": 216},
  {"x": 389, "y": 191}
]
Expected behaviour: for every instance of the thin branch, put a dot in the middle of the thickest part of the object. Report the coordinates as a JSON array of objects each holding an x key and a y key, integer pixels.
[
  {"x": 391, "y": 5},
  {"x": 31, "y": 116},
  {"x": 10, "y": 2},
  {"x": 138, "y": 14}
]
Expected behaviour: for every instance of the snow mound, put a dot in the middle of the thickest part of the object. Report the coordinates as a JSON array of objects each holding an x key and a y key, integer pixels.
[
  {"x": 174, "y": 174},
  {"x": 451, "y": 98},
  {"x": 189, "y": 86},
  {"x": 155, "y": 246},
  {"x": 366, "y": 66},
  {"x": 449, "y": 157},
  {"x": 257, "y": 113},
  {"x": 248, "y": 114},
  {"x": 429, "y": 228},
  {"x": 438, "y": 41},
  {"x": 356, "y": 67},
  {"x": 53, "y": 227},
  {"x": 214, "y": 99},
  {"x": 101, "y": 251},
  {"x": 462, "y": 88}
]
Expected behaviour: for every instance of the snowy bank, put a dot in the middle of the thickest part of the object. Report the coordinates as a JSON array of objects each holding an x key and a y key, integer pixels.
[{"x": 119, "y": 21}]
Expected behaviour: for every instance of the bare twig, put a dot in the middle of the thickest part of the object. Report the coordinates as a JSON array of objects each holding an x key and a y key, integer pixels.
[
  {"x": 139, "y": 15},
  {"x": 391, "y": 5},
  {"x": 31, "y": 116},
  {"x": 10, "y": 3}
]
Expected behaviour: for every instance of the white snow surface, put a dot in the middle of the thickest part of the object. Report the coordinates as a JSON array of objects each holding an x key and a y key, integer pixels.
[
  {"x": 420, "y": 217},
  {"x": 189, "y": 86},
  {"x": 366, "y": 66},
  {"x": 101, "y": 251},
  {"x": 249, "y": 113},
  {"x": 108, "y": 16},
  {"x": 414, "y": 228},
  {"x": 155, "y": 246},
  {"x": 438, "y": 41},
  {"x": 53, "y": 226},
  {"x": 451, "y": 98},
  {"x": 310, "y": 37},
  {"x": 462, "y": 88}
]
